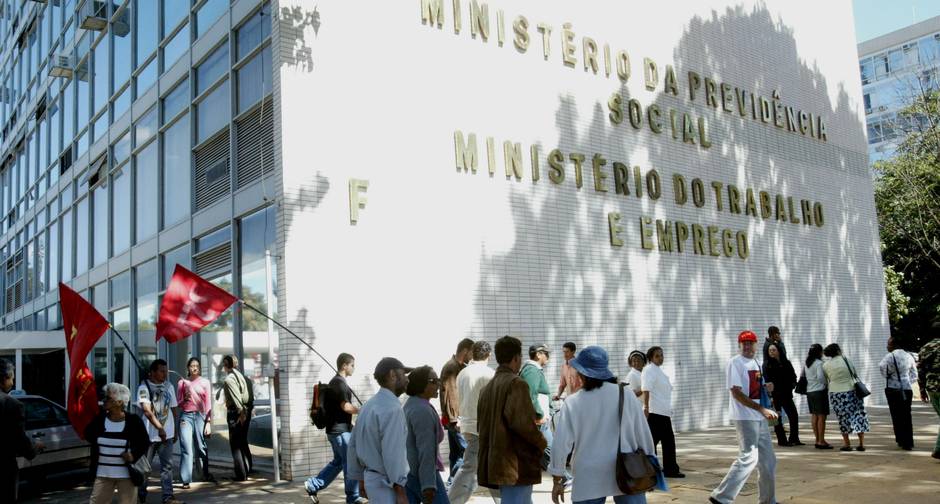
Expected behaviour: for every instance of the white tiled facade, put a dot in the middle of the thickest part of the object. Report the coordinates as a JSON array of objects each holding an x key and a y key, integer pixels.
[{"x": 368, "y": 91}]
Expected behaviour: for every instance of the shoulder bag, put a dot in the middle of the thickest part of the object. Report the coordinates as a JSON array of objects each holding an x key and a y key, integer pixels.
[
  {"x": 139, "y": 471},
  {"x": 635, "y": 473},
  {"x": 861, "y": 390},
  {"x": 894, "y": 391},
  {"x": 801, "y": 384}
]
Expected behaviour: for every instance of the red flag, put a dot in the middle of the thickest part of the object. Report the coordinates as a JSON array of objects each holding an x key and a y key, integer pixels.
[
  {"x": 190, "y": 303},
  {"x": 83, "y": 327}
]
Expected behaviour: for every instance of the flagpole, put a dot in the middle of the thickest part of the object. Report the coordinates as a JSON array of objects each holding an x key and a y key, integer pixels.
[
  {"x": 131, "y": 352},
  {"x": 292, "y": 333}
]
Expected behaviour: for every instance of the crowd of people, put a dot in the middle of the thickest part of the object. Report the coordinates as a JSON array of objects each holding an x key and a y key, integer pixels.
[{"x": 504, "y": 426}]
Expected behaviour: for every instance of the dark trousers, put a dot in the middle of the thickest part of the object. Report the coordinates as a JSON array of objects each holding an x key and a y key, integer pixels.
[
  {"x": 457, "y": 445},
  {"x": 786, "y": 404},
  {"x": 238, "y": 442},
  {"x": 661, "y": 429},
  {"x": 9, "y": 480},
  {"x": 899, "y": 404}
]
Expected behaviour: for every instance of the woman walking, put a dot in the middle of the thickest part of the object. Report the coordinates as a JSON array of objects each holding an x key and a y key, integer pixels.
[
  {"x": 817, "y": 394},
  {"x": 117, "y": 438},
  {"x": 589, "y": 420},
  {"x": 848, "y": 407},
  {"x": 779, "y": 372},
  {"x": 195, "y": 400},
  {"x": 424, "y": 437}
]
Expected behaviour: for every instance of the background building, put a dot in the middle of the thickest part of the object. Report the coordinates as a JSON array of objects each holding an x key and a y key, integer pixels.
[
  {"x": 140, "y": 135},
  {"x": 895, "y": 67}
]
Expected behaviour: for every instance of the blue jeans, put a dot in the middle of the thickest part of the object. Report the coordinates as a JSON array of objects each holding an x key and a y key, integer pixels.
[
  {"x": 413, "y": 490},
  {"x": 193, "y": 442},
  {"x": 620, "y": 499},
  {"x": 457, "y": 445},
  {"x": 515, "y": 494},
  {"x": 339, "y": 442},
  {"x": 164, "y": 451}
]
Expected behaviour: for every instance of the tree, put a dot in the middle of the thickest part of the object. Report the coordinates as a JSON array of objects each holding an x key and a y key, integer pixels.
[{"x": 907, "y": 196}]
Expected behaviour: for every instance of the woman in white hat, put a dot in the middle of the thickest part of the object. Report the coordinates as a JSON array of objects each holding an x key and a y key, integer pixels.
[{"x": 589, "y": 420}]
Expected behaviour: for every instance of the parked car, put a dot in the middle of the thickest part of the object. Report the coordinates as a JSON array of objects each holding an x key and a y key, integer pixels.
[
  {"x": 259, "y": 428},
  {"x": 48, "y": 422}
]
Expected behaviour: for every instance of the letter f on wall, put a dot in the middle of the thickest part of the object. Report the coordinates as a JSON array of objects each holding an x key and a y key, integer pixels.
[{"x": 357, "y": 200}]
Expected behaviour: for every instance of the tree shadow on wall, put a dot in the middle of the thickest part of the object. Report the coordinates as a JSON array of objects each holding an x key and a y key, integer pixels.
[
  {"x": 563, "y": 281},
  {"x": 292, "y": 24}
]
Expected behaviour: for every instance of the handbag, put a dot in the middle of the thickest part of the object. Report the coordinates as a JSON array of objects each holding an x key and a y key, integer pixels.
[
  {"x": 801, "y": 384},
  {"x": 140, "y": 470},
  {"x": 861, "y": 390},
  {"x": 891, "y": 391},
  {"x": 635, "y": 473}
]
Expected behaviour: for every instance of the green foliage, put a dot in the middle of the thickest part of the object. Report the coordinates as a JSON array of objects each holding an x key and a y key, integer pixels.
[{"x": 907, "y": 196}]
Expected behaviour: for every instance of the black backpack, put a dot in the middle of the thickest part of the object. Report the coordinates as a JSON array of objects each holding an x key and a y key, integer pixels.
[{"x": 318, "y": 413}]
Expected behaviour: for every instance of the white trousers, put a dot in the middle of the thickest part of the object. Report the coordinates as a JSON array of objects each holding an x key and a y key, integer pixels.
[{"x": 756, "y": 450}]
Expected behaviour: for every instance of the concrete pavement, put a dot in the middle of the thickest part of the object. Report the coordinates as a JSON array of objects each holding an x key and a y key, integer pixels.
[{"x": 882, "y": 474}]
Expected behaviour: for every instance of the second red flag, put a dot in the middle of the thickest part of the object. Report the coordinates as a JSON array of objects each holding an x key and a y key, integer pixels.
[{"x": 190, "y": 303}]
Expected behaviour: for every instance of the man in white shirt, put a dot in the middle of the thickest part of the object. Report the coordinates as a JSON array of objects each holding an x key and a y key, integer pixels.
[
  {"x": 657, "y": 406},
  {"x": 900, "y": 373},
  {"x": 470, "y": 382},
  {"x": 157, "y": 399},
  {"x": 750, "y": 417},
  {"x": 376, "y": 455}
]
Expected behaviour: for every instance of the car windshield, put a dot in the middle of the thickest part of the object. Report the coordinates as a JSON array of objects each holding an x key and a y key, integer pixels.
[{"x": 42, "y": 414}]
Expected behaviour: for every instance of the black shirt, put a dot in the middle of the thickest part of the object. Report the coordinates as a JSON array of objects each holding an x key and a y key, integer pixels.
[{"x": 340, "y": 421}]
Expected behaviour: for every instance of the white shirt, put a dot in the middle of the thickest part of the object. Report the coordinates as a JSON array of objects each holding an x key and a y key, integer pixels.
[
  {"x": 588, "y": 420},
  {"x": 744, "y": 373},
  {"x": 378, "y": 440},
  {"x": 162, "y": 403},
  {"x": 470, "y": 382},
  {"x": 816, "y": 377},
  {"x": 655, "y": 381},
  {"x": 635, "y": 381},
  {"x": 110, "y": 462},
  {"x": 899, "y": 370}
]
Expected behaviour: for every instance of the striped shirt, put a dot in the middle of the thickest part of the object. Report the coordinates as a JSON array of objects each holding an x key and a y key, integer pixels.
[{"x": 110, "y": 448}]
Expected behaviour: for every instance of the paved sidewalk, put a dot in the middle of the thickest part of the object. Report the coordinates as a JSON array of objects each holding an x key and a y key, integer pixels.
[{"x": 882, "y": 474}]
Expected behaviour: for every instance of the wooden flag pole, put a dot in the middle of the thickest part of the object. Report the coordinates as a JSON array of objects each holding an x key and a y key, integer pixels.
[{"x": 292, "y": 333}]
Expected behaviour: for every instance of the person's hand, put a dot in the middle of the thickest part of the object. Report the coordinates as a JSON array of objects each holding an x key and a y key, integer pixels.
[
  {"x": 558, "y": 490},
  {"x": 769, "y": 386},
  {"x": 127, "y": 456},
  {"x": 427, "y": 495},
  {"x": 646, "y": 411},
  {"x": 556, "y": 397},
  {"x": 162, "y": 433},
  {"x": 400, "y": 496},
  {"x": 769, "y": 414},
  {"x": 362, "y": 489},
  {"x": 242, "y": 417},
  {"x": 541, "y": 421}
]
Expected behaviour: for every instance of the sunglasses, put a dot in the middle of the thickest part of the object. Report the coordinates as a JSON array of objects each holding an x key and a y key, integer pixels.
[{"x": 434, "y": 381}]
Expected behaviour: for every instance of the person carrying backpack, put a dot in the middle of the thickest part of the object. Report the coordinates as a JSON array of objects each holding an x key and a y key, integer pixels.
[
  {"x": 239, "y": 401},
  {"x": 333, "y": 409}
]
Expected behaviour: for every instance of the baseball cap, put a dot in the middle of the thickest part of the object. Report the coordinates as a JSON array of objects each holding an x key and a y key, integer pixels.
[
  {"x": 747, "y": 336},
  {"x": 538, "y": 348},
  {"x": 389, "y": 363}
]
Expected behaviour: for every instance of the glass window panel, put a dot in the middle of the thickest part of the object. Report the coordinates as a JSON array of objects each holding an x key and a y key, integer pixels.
[
  {"x": 145, "y": 127},
  {"x": 121, "y": 319},
  {"x": 121, "y": 289},
  {"x": 54, "y": 120},
  {"x": 895, "y": 60},
  {"x": 881, "y": 65},
  {"x": 146, "y": 192},
  {"x": 147, "y": 278},
  {"x": 254, "y": 79},
  {"x": 176, "y": 100},
  {"x": 68, "y": 114},
  {"x": 68, "y": 253},
  {"x": 101, "y": 81},
  {"x": 147, "y": 35},
  {"x": 175, "y": 48},
  {"x": 867, "y": 69},
  {"x": 83, "y": 94},
  {"x": 253, "y": 31},
  {"x": 213, "y": 239},
  {"x": 179, "y": 255},
  {"x": 215, "y": 342},
  {"x": 213, "y": 112},
  {"x": 82, "y": 236},
  {"x": 43, "y": 151},
  {"x": 147, "y": 77},
  {"x": 99, "y": 299},
  {"x": 173, "y": 12},
  {"x": 121, "y": 209},
  {"x": 208, "y": 13},
  {"x": 122, "y": 149},
  {"x": 121, "y": 36},
  {"x": 81, "y": 145},
  {"x": 101, "y": 126},
  {"x": 100, "y": 250},
  {"x": 257, "y": 235},
  {"x": 213, "y": 67},
  {"x": 122, "y": 103},
  {"x": 176, "y": 172}
]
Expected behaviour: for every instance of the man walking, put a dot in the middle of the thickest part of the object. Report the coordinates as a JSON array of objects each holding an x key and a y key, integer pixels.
[
  {"x": 470, "y": 383},
  {"x": 750, "y": 417},
  {"x": 570, "y": 381},
  {"x": 511, "y": 445},
  {"x": 773, "y": 338},
  {"x": 900, "y": 373},
  {"x": 15, "y": 441},
  {"x": 339, "y": 411},
  {"x": 533, "y": 373},
  {"x": 377, "y": 456},
  {"x": 157, "y": 399},
  {"x": 657, "y": 406},
  {"x": 929, "y": 366},
  {"x": 238, "y": 403},
  {"x": 450, "y": 404}
]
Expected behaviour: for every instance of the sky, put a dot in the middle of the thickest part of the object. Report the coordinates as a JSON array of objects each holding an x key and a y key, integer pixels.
[{"x": 877, "y": 17}]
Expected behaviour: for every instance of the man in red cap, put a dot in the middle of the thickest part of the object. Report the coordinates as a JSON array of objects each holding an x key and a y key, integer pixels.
[{"x": 749, "y": 415}]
